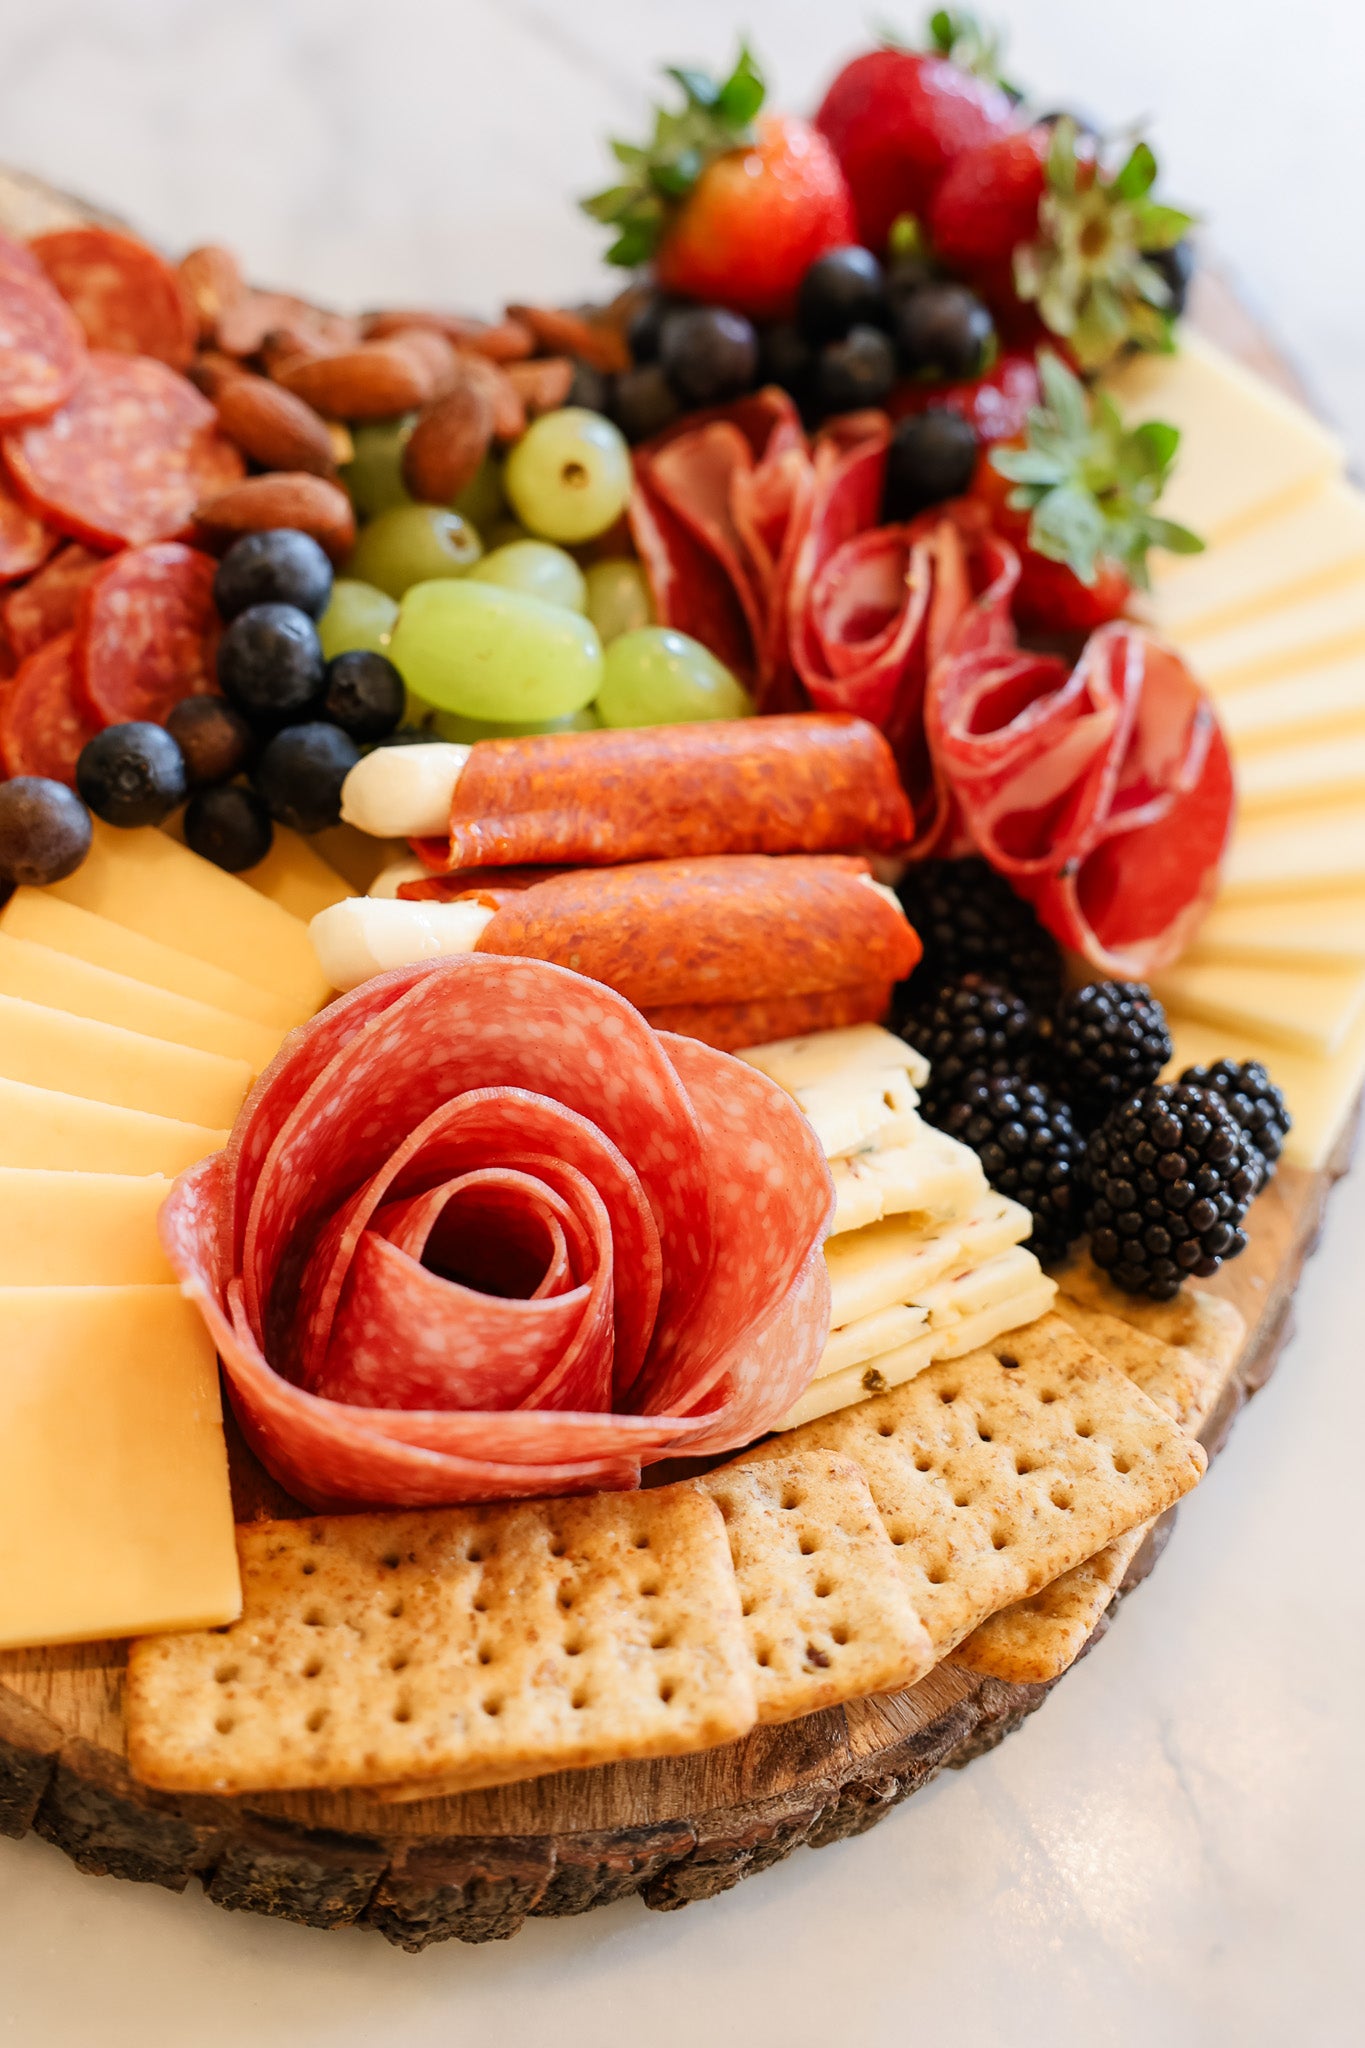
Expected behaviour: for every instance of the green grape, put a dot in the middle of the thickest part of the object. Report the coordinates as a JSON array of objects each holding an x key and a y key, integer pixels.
[
  {"x": 486, "y": 652},
  {"x": 414, "y": 544},
  {"x": 655, "y": 676},
  {"x": 374, "y": 475},
  {"x": 482, "y": 502},
  {"x": 448, "y": 725},
  {"x": 569, "y": 476},
  {"x": 357, "y": 616},
  {"x": 538, "y": 569},
  {"x": 503, "y": 532},
  {"x": 618, "y": 597}
]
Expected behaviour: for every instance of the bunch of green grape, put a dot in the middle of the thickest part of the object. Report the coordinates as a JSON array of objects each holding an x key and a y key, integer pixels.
[{"x": 492, "y": 622}]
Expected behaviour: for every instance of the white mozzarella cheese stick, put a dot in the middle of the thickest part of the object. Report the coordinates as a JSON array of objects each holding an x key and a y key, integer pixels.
[
  {"x": 390, "y": 880},
  {"x": 366, "y": 935},
  {"x": 403, "y": 792}
]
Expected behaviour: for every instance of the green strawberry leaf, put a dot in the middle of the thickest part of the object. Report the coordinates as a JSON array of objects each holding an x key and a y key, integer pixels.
[{"x": 1137, "y": 176}]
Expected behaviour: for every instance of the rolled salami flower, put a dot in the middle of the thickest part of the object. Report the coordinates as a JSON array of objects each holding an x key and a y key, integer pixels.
[
  {"x": 824, "y": 784},
  {"x": 731, "y": 949}
]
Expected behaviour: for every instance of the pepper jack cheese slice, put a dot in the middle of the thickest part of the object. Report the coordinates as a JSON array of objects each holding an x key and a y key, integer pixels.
[
  {"x": 41, "y": 975},
  {"x": 38, "y": 915},
  {"x": 1246, "y": 450},
  {"x": 80, "y": 1229},
  {"x": 142, "y": 879},
  {"x": 115, "y": 1513},
  {"x": 45, "y": 1127},
  {"x": 1322, "y": 1094},
  {"x": 293, "y": 876},
  {"x": 50, "y": 1049},
  {"x": 1306, "y": 550},
  {"x": 931, "y": 1177}
]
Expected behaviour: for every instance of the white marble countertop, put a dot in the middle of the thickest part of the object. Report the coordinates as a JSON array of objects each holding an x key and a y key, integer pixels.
[{"x": 1170, "y": 1851}]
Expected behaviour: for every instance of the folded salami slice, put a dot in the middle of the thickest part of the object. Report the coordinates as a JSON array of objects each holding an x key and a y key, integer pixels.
[
  {"x": 129, "y": 456},
  {"x": 770, "y": 785},
  {"x": 126, "y": 297},
  {"x": 147, "y": 633},
  {"x": 43, "y": 723},
  {"x": 480, "y": 1232},
  {"x": 42, "y": 349},
  {"x": 46, "y": 605},
  {"x": 736, "y": 929}
]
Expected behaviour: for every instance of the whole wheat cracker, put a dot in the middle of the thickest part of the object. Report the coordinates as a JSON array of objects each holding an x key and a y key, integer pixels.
[
  {"x": 824, "y": 1601},
  {"x": 997, "y": 1472},
  {"x": 476, "y": 1645}
]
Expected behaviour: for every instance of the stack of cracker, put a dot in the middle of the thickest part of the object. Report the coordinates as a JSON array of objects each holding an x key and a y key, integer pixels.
[
  {"x": 925, "y": 1261},
  {"x": 979, "y": 1511}
]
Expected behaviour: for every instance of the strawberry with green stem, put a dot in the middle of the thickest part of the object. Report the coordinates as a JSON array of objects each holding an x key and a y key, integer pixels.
[
  {"x": 1078, "y": 498},
  {"x": 731, "y": 205}
]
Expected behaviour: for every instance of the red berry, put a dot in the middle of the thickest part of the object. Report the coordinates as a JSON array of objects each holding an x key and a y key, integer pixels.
[
  {"x": 896, "y": 121},
  {"x": 756, "y": 221},
  {"x": 997, "y": 404},
  {"x": 988, "y": 202},
  {"x": 1050, "y": 598}
]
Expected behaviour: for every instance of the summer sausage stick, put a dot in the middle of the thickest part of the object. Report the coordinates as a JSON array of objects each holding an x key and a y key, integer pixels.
[{"x": 821, "y": 784}]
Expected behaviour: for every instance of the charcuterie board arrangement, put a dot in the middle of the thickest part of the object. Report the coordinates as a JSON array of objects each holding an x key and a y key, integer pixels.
[{"x": 679, "y": 985}]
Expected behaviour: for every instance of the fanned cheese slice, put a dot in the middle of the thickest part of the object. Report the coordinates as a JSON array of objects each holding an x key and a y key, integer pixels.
[
  {"x": 1310, "y": 1008},
  {"x": 1289, "y": 931},
  {"x": 894, "y": 1264},
  {"x": 80, "y": 1229},
  {"x": 1310, "y": 548},
  {"x": 1306, "y": 849},
  {"x": 1306, "y": 634},
  {"x": 46, "y": 1127},
  {"x": 49, "y": 1049},
  {"x": 41, "y": 975},
  {"x": 857, "y": 1086},
  {"x": 1324, "y": 767},
  {"x": 933, "y": 1178},
  {"x": 294, "y": 876},
  {"x": 1305, "y": 698}
]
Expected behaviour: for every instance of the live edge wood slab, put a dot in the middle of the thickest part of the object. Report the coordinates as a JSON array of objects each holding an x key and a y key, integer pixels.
[{"x": 473, "y": 1868}]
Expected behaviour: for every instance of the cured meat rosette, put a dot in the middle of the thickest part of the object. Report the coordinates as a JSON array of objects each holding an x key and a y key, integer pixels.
[{"x": 481, "y": 1232}]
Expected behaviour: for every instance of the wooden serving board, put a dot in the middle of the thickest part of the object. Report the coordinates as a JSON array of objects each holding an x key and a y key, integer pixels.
[{"x": 475, "y": 1867}]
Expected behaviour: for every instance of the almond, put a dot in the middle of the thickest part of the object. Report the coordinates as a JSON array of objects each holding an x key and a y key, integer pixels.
[
  {"x": 289, "y": 498},
  {"x": 561, "y": 333},
  {"x": 213, "y": 281},
  {"x": 450, "y": 440},
  {"x": 507, "y": 342},
  {"x": 372, "y": 382},
  {"x": 210, "y": 371},
  {"x": 509, "y": 413},
  {"x": 433, "y": 352},
  {"x": 542, "y": 385},
  {"x": 245, "y": 324},
  {"x": 274, "y": 427}
]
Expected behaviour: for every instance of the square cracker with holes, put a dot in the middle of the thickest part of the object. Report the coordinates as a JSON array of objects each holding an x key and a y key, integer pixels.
[
  {"x": 825, "y": 1604},
  {"x": 997, "y": 1472},
  {"x": 1036, "y": 1640},
  {"x": 466, "y": 1646}
]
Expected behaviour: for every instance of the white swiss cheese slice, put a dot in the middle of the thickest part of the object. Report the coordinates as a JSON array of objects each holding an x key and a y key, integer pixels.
[
  {"x": 115, "y": 1510},
  {"x": 1307, "y": 634},
  {"x": 1324, "y": 767},
  {"x": 1246, "y": 450},
  {"x": 979, "y": 1287},
  {"x": 80, "y": 1229},
  {"x": 1309, "y": 699},
  {"x": 1299, "y": 553},
  {"x": 1294, "y": 852},
  {"x": 1310, "y": 1008}
]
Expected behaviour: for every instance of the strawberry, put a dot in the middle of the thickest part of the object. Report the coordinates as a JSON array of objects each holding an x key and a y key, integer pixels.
[
  {"x": 897, "y": 120},
  {"x": 731, "y": 208},
  {"x": 1076, "y": 495},
  {"x": 997, "y": 404},
  {"x": 988, "y": 202}
]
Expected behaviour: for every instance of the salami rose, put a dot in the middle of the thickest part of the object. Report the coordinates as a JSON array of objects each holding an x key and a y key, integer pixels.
[{"x": 480, "y": 1232}]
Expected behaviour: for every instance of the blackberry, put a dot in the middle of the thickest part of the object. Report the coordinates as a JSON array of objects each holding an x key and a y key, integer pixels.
[
  {"x": 1170, "y": 1176},
  {"x": 1254, "y": 1100},
  {"x": 968, "y": 1027},
  {"x": 1028, "y": 1145},
  {"x": 1105, "y": 1042},
  {"x": 971, "y": 922}
]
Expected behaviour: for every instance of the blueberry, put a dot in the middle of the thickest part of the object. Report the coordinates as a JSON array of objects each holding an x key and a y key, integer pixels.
[
  {"x": 843, "y": 289},
  {"x": 300, "y": 773},
  {"x": 271, "y": 665},
  {"x": 708, "y": 353},
  {"x": 132, "y": 774},
  {"x": 215, "y": 740},
  {"x": 228, "y": 825},
  {"x": 44, "y": 830},
  {"x": 643, "y": 403},
  {"x": 932, "y": 457},
  {"x": 907, "y": 274},
  {"x": 854, "y": 372},
  {"x": 787, "y": 358},
  {"x": 365, "y": 694},
  {"x": 646, "y": 324},
  {"x": 943, "y": 330},
  {"x": 591, "y": 388},
  {"x": 282, "y": 566},
  {"x": 1176, "y": 269}
]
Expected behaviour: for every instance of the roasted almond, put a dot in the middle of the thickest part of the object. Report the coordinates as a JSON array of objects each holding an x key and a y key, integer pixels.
[
  {"x": 561, "y": 333},
  {"x": 509, "y": 412},
  {"x": 506, "y": 342},
  {"x": 244, "y": 325},
  {"x": 433, "y": 352},
  {"x": 211, "y": 369},
  {"x": 372, "y": 382},
  {"x": 450, "y": 440},
  {"x": 289, "y": 498},
  {"x": 274, "y": 426},
  {"x": 213, "y": 281},
  {"x": 541, "y": 385}
]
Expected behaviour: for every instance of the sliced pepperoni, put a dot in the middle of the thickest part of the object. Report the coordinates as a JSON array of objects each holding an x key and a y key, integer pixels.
[
  {"x": 42, "y": 349},
  {"x": 147, "y": 633},
  {"x": 25, "y": 542},
  {"x": 126, "y": 297},
  {"x": 46, "y": 605},
  {"x": 128, "y": 458},
  {"x": 43, "y": 724}
]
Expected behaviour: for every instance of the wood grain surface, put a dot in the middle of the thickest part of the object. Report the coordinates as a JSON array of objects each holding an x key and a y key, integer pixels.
[{"x": 473, "y": 1868}]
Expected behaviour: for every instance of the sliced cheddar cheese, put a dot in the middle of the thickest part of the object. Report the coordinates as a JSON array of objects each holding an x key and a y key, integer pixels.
[
  {"x": 294, "y": 876},
  {"x": 46, "y": 1127},
  {"x": 115, "y": 1510},
  {"x": 51, "y": 1049},
  {"x": 80, "y": 1229},
  {"x": 41, "y": 975}
]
